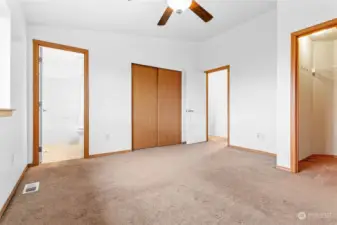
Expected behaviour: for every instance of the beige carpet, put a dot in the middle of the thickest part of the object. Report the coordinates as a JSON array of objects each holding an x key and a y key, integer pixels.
[{"x": 190, "y": 184}]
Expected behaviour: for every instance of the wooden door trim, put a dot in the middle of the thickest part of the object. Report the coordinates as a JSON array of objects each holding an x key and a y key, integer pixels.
[
  {"x": 294, "y": 117},
  {"x": 132, "y": 111},
  {"x": 36, "y": 93},
  {"x": 228, "y": 99}
]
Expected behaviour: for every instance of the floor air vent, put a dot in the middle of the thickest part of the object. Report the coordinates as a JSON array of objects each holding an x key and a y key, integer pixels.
[{"x": 31, "y": 188}]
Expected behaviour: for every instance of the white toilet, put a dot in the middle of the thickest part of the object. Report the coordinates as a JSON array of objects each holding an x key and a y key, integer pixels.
[{"x": 80, "y": 132}]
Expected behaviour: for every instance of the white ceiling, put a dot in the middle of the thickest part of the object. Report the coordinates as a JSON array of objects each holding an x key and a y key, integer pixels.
[{"x": 140, "y": 17}]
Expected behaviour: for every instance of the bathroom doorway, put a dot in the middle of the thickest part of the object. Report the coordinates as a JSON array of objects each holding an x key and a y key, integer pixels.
[
  {"x": 62, "y": 103},
  {"x": 217, "y": 105}
]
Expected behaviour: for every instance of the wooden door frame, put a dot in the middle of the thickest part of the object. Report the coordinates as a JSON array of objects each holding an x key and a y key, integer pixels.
[
  {"x": 36, "y": 94},
  {"x": 227, "y": 67},
  {"x": 132, "y": 111},
  {"x": 294, "y": 123}
]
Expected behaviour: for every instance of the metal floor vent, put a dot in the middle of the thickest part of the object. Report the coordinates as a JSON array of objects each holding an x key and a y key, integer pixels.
[{"x": 31, "y": 188}]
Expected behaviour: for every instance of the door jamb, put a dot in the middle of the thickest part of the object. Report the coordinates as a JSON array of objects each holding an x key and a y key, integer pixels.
[
  {"x": 227, "y": 67},
  {"x": 36, "y": 93},
  {"x": 294, "y": 121}
]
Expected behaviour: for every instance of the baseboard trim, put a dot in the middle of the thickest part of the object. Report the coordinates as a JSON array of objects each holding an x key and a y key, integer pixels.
[
  {"x": 323, "y": 156},
  {"x": 318, "y": 156},
  {"x": 252, "y": 150},
  {"x": 10, "y": 197},
  {"x": 217, "y": 137},
  {"x": 108, "y": 154},
  {"x": 283, "y": 168}
]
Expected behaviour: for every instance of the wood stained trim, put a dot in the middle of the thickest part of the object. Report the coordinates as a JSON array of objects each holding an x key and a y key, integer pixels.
[
  {"x": 228, "y": 99},
  {"x": 36, "y": 84},
  {"x": 10, "y": 197},
  {"x": 217, "y": 69},
  {"x": 252, "y": 150},
  {"x": 294, "y": 149},
  {"x": 283, "y": 168},
  {"x": 109, "y": 153}
]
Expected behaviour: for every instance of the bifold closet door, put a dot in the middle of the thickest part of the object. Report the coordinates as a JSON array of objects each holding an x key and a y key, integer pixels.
[
  {"x": 144, "y": 106},
  {"x": 169, "y": 107}
]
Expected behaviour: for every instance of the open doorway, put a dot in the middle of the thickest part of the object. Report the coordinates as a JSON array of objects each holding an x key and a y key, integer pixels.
[
  {"x": 217, "y": 104},
  {"x": 60, "y": 103},
  {"x": 314, "y": 109}
]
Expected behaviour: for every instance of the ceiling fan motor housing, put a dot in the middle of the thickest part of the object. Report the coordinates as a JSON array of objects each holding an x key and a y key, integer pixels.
[{"x": 179, "y": 6}]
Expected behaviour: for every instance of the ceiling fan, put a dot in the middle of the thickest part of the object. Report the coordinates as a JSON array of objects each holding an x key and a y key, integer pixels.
[{"x": 179, "y": 6}]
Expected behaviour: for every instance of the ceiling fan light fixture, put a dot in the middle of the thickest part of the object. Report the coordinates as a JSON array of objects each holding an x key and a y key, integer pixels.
[{"x": 179, "y": 6}]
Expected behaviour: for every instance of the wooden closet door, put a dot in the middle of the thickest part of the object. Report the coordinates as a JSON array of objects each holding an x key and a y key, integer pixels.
[
  {"x": 144, "y": 107},
  {"x": 169, "y": 107}
]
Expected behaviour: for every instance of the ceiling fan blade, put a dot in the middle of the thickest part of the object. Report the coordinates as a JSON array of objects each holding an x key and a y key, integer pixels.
[
  {"x": 166, "y": 15},
  {"x": 200, "y": 11}
]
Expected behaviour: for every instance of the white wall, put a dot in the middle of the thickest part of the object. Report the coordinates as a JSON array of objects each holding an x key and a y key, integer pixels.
[
  {"x": 250, "y": 50},
  {"x": 323, "y": 97},
  {"x": 306, "y": 80},
  {"x": 62, "y": 90},
  {"x": 334, "y": 115},
  {"x": 324, "y": 92},
  {"x": 318, "y": 98},
  {"x": 5, "y": 55},
  {"x": 217, "y": 103},
  {"x": 293, "y": 16},
  {"x": 110, "y": 58},
  {"x": 13, "y": 130}
]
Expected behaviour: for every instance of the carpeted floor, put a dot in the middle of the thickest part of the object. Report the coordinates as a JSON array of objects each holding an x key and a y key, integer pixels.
[{"x": 188, "y": 185}]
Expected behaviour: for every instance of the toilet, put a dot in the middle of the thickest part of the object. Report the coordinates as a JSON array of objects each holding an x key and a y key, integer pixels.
[{"x": 80, "y": 132}]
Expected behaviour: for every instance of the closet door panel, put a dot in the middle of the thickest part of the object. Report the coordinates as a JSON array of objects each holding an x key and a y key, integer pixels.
[
  {"x": 144, "y": 107},
  {"x": 169, "y": 107}
]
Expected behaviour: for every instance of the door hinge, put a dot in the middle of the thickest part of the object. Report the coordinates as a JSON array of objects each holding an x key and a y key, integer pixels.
[
  {"x": 40, "y": 149},
  {"x": 40, "y": 59}
]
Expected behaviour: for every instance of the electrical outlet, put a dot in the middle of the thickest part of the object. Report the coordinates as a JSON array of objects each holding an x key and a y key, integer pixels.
[
  {"x": 260, "y": 136},
  {"x": 107, "y": 136}
]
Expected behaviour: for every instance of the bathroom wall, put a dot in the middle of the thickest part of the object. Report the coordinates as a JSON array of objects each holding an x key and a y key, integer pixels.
[
  {"x": 62, "y": 90},
  {"x": 217, "y": 103}
]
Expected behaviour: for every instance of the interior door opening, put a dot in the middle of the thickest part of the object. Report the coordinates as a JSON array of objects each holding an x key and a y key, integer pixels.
[
  {"x": 61, "y": 115},
  {"x": 217, "y": 86},
  {"x": 61, "y": 105},
  {"x": 317, "y": 99}
]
